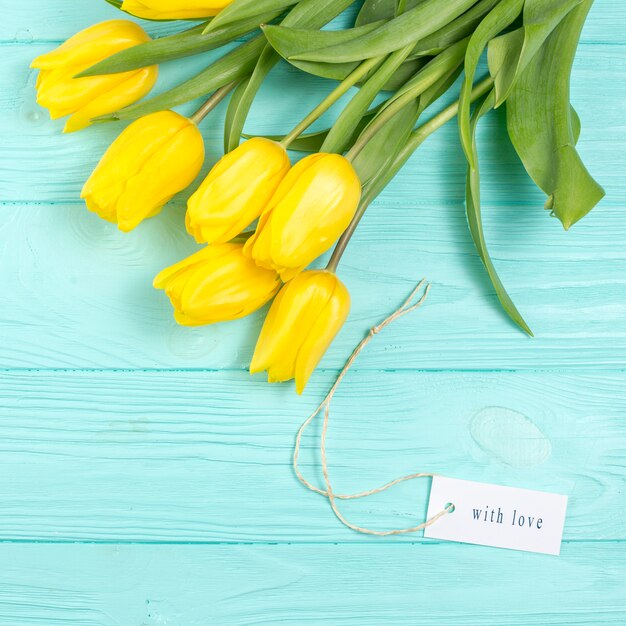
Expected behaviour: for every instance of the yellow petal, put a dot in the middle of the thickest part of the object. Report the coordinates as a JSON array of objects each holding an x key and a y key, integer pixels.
[
  {"x": 289, "y": 321},
  {"x": 136, "y": 86},
  {"x": 166, "y": 9},
  {"x": 217, "y": 284},
  {"x": 208, "y": 252},
  {"x": 236, "y": 190},
  {"x": 93, "y": 44},
  {"x": 308, "y": 212},
  {"x": 321, "y": 334},
  {"x": 153, "y": 158}
]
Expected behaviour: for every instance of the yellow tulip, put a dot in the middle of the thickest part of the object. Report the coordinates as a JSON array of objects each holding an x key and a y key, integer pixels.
[
  {"x": 216, "y": 284},
  {"x": 236, "y": 190},
  {"x": 174, "y": 9},
  {"x": 302, "y": 322},
  {"x": 308, "y": 212},
  {"x": 154, "y": 158},
  {"x": 87, "y": 97}
]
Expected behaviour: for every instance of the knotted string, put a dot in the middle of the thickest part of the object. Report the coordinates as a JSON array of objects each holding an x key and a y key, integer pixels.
[{"x": 405, "y": 308}]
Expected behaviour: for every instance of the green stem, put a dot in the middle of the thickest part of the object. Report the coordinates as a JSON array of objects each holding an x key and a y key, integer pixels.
[
  {"x": 212, "y": 102},
  {"x": 348, "y": 82},
  {"x": 416, "y": 138},
  {"x": 440, "y": 66}
]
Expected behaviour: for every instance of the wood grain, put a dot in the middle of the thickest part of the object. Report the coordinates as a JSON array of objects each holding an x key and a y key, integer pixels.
[
  {"x": 55, "y": 21},
  {"x": 78, "y": 293},
  {"x": 293, "y": 585},
  {"x": 434, "y": 176},
  {"x": 181, "y": 456},
  {"x": 127, "y": 433}
]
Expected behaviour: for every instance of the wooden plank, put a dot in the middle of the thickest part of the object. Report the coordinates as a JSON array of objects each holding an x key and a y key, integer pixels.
[
  {"x": 333, "y": 585},
  {"x": 55, "y": 21},
  {"x": 155, "y": 456},
  {"x": 77, "y": 293},
  {"x": 435, "y": 175}
]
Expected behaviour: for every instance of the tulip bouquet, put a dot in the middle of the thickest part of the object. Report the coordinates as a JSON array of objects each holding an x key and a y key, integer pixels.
[{"x": 262, "y": 220}]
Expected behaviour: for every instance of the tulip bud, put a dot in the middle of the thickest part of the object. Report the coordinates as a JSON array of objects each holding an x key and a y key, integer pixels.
[
  {"x": 154, "y": 158},
  {"x": 308, "y": 212},
  {"x": 173, "y": 9},
  {"x": 216, "y": 284},
  {"x": 90, "y": 96},
  {"x": 302, "y": 322},
  {"x": 236, "y": 190}
]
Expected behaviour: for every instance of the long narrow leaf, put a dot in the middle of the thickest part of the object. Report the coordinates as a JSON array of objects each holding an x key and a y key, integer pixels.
[
  {"x": 241, "y": 106},
  {"x": 231, "y": 110},
  {"x": 436, "y": 69},
  {"x": 510, "y": 53},
  {"x": 308, "y": 14},
  {"x": 312, "y": 142},
  {"x": 237, "y": 64},
  {"x": 341, "y": 131},
  {"x": 382, "y": 147},
  {"x": 544, "y": 129},
  {"x": 373, "y": 10},
  {"x": 499, "y": 18},
  {"x": 176, "y": 46},
  {"x": 245, "y": 10},
  {"x": 474, "y": 219},
  {"x": 454, "y": 31},
  {"x": 292, "y": 41},
  {"x": 418, "y": 22}
]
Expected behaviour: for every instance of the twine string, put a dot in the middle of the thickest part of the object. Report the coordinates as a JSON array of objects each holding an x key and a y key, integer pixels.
[{"x": 405, "y": 307}]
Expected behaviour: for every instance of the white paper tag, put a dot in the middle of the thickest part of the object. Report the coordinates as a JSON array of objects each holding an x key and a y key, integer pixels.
[{"x": 492, "y": 515}]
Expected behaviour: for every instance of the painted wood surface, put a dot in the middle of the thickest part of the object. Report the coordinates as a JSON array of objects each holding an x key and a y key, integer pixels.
[
  {"x": 403, "y": 585},
  {"x": 119, "y": 428},
  {"x": 156, "y": 456}
]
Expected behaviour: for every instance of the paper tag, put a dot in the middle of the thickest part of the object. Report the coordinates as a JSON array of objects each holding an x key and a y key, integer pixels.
[{"x": 492, "y": 515}]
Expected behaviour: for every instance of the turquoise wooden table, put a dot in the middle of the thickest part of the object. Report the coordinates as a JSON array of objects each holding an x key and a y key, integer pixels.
[{"x": 146, "y": 476}]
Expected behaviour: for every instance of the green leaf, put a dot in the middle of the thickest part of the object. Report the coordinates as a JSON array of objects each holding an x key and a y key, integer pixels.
[
  {"x": 403, "y": 73},
  {"x": 375, "y": 162},
  {"x": 237, "y": 64},
  {"x": 437, "y": 42},
  {"x": 474, "y": 219},
  {"x": 240, "y": 107},
  {"x": 544, "y": 128},
  {"x": 383, "y": 146},
  {"x": 436, "y": 69},
  {"x": 289, "y": 41},
  {"x": 510, "y": 53},
  {"x": 373, "y": 10},
  {"x": 458, "y": 29},
  {"x": 312, "y": 142},
  {"x": 118, "y": 5},
  {"x": 245, "y": 10},
  {"x": 231, "y": 111},
  {"x": 176, "y": 46},
  {"x": 340, "y": 133},
  {"x": 499, "y": 18},
  {"x": 311, "y": 14},
  {"x": 416, "y": 138},
  {"x": 418, "y": 22}
]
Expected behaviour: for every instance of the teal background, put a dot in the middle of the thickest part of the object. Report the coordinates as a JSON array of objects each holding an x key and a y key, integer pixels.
[{"x": 145, "y": 476}]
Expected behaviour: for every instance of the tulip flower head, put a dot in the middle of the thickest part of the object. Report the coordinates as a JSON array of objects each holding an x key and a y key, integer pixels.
[
  {"x": 308, "y": 212},
  {"x": 173, "y": 9},
  {"x": 236, "y": 190},
  {"x": 90, "y": 96},
  {"x": 300, "y": 326},
  {"x": 154, "y": 158},
  {"x": 217, "y": 284}
]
